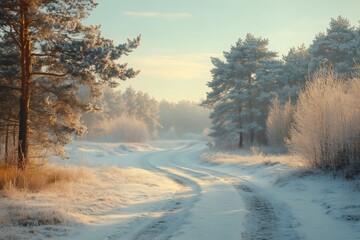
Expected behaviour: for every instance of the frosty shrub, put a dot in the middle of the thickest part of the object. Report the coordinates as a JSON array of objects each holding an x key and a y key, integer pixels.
[
  {"x": 278, "y": 122},
  {"x": 327, "y": 130},
  {"x": 121, "y": 129}
]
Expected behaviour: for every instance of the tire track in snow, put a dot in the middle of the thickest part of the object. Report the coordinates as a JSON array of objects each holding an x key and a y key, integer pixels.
[
  {"x": 266, "y": 220},
  {"x": 175, "y": 211},
  {"x": 262, "y": 221}
]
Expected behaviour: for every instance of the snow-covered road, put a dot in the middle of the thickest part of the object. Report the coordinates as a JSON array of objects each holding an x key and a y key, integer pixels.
[
  {"x": 208, "y": 202},
  {"x": 217, "y": 205}
]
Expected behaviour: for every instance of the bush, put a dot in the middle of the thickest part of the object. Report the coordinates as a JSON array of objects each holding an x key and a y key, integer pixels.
[
  {"x": 327, "y": 130},
  {"x": 278, "y": 122}
]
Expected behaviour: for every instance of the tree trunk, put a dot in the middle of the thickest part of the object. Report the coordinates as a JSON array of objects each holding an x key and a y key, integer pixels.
[
  {"x": 241, "y": 140},
  {"x": 14, "y": 145},
  {"x": 25, "y": 84},
  {"x": 251, "y": 113},
  {"x": 252, "y": 134},
  {"x": 7, "y": 144},
  {"x": 241, "y": 133}
]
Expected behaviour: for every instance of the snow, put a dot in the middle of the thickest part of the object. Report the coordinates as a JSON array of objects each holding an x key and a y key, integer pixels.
[{"x": 181, "y": 190}]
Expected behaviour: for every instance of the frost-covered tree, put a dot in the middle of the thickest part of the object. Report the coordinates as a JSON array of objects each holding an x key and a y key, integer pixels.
[
  {"x": 337, "y": 47},
  {"x": 58, "y": 55},
  {"x": 220, "y": 85},
  {"x": 269, "y": 81},
  {"x": 130, "y": 102},
  {"x": 137, "y": 109},
  {"x": 226, "y": 126},
  {"x": 115, "y": 102},
  {"x": 222, "y": 110},
  {"x": 148, "y": 112},
  {"x": 295, "y": 72},
  {"x": 242, "y": 88}
]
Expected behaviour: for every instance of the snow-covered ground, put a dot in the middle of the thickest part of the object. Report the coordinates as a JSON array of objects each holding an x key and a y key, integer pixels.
[{"x": 180, "y": 190}]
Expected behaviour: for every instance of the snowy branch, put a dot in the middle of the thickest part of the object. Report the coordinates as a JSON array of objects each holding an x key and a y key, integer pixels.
[{"x": 49, "y": 74}]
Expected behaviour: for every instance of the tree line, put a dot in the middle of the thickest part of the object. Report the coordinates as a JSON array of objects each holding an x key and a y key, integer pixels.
[
  {"x": 250, "y": 76},
  {"x": 182, "y": 119},
  {"x": 130, "y": 116},
  {"x": 134, "y": 116}
]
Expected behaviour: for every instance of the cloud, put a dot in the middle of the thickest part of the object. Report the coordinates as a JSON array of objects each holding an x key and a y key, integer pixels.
[
  {"x": 173, "y": 77},
  {"x": 182, "y": 66},
  {"x": 169, "y": 16}
]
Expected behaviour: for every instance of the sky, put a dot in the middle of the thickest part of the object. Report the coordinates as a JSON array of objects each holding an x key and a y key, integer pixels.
[{"x": 178, "y": 37}]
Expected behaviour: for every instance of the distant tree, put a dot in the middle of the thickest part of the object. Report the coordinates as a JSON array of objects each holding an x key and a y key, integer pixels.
[
  {"x": 58, "y": 55},
  {"x": 148, "y": 112},
  {"x": 339, "y": 47},
  {"x": 131, "y": 107},
  {"x": 130, "y": 102},
  {"x": 182, "y": 118},
  {"x": 118, "y": 103}
]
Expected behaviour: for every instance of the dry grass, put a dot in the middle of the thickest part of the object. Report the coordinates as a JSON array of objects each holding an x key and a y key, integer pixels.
[
  {"x": 237, "y": 158},
  {"x": 42, "y": 197},
  {"x": 37, "y": 177},
  {"x": 47, "y": 201}
]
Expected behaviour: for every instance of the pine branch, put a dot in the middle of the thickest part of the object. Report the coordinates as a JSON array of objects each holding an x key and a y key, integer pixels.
[
  {"x": 13, "y": 37},
  {"x": 12, "y": 26},
  {"x": 44, "y": 55},
  {"x": 49, "y": 74}
]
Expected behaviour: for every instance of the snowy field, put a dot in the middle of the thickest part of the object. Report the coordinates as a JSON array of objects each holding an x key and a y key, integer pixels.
[{"x": 181, "y": 190}]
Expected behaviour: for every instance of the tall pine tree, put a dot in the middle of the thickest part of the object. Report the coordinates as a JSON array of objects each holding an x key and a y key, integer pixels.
[
  {"x": 58, "y": 55},
  {"x": 241, "y": 89}
]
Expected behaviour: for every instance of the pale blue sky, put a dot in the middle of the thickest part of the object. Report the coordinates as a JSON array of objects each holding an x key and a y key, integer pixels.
[{"x": 180, "y": 36}]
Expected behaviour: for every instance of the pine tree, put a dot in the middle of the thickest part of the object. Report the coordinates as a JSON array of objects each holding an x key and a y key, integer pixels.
[
  {"x": 58, "y": 55},
  {"x": 219, "y": 85},
  {"x": 296, "y": 71},
  {"x": 242, "y": 88},
  {"x": 337, "y": 47},
  {"x": 217, "y": 99}
]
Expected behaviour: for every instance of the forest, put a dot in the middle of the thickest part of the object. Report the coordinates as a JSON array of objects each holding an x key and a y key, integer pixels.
[{"x": 307, "y": 101}]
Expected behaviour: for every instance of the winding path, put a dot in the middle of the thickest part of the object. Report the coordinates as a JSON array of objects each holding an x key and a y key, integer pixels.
[
  {"x": 211, "y": 204},
  {"x": 206, "y": 202}
]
